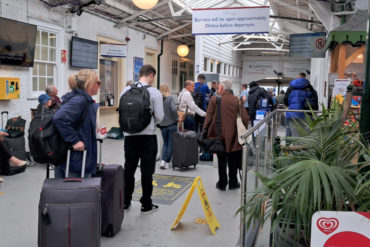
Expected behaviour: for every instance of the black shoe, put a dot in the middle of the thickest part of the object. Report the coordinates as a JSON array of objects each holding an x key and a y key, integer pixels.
[
  {"x": 218, "y": 186},
  {"x": 150, "y": 209},
  {"x": 126, "y": 206},
  {"x": 233, "y": 187}
]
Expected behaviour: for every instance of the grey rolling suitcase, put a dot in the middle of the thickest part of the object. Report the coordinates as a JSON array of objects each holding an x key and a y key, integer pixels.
[
  {"x": 70, "y": 211},
  {"x": 112, "y": 196},
  {"x": 185, "y": 149}
]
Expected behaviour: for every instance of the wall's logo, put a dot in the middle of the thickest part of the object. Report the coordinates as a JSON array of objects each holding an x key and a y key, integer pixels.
[
  {"x": 327, "y": 225},
  {"x": 320, "y": 43}
]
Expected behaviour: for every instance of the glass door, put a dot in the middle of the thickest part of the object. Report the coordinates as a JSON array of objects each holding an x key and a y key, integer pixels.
[{"x": 109, "y": 95}]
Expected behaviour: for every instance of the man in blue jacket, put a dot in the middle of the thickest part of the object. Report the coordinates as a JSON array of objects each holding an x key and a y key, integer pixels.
[
  {"x": 299, "y": 91},
  {"x": 200, "y": 94}
]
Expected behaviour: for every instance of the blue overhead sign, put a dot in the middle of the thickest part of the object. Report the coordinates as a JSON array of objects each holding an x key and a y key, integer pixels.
[{"x": 307, "y": 45}]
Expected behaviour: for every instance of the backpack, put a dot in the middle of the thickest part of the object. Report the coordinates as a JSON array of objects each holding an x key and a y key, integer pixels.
[
  {"x": 15, "y": 127},
  {"x": 311, "y": 100},
  {"x": 135, "y": 113},
  {"x": 46, "y": 144},
  {"x": 198, "y": 97}
]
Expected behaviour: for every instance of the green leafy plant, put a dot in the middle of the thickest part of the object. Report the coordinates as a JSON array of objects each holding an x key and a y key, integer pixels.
[{"x": 320, "y": 176}]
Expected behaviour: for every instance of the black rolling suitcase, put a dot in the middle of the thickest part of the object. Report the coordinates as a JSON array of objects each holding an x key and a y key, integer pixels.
[
  {"x": 16, "y": 146},
  {"x": 70, "y": 211},
  {"x": 185, "y": 149},
  {"x": 112, "y": 196}
]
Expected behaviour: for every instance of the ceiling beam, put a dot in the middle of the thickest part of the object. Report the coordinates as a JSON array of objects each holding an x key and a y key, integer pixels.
[
  {"x": 180, "y": 36},
  {"x": 287, "y": 5},
  {"x": 295, "y": 28},
  {"x": 224, "y": 4},
  {"x": 173, "y": 30},
  {"x": 261, "y": 49}
]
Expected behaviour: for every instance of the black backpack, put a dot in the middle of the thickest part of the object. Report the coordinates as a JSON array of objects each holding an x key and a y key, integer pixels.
[
  {"x": 46, "y": 144},
  {"x": 135, "y": 113},
  {"x": 198, "y": 97}
]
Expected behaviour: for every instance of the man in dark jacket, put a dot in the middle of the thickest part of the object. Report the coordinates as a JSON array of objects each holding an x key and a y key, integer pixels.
[
  {"x": 255, "y": 94},
  {"x": 295, "y": 98}
]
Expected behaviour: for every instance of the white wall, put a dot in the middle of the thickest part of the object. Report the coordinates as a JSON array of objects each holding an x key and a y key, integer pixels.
[
  {"x": 210, "y": 47},
  {"x": 320, "y": 75}
]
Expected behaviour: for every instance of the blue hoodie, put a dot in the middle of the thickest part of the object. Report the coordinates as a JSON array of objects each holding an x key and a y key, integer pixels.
[
  {"x": 66, "y": 119},
  {"x": 297, "y": 95}
]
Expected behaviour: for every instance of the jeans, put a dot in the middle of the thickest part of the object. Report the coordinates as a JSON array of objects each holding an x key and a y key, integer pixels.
[
  {"x": 291, "y": 129},
  {"x": 233, "y": 161},
  {"x": 167, "y": 142},
  {"x": 189, "y": 123},
  {"x": 143, "y": 148},
  {"x": 60, "y": 172},
  {"x": 198, "y": 123}
]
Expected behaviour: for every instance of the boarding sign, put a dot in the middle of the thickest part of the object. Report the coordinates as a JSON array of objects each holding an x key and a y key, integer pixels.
[
  {"x": 340, "y": 229},
  {"x": 307, "y": 45},
  {"x": 113, "y": 50},
  {"x": 231, "y": 20},
  {"x": 211, "y": 218}
]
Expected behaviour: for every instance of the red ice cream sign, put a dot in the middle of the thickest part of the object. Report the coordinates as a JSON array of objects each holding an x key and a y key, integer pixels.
[{"x": 340, "y": 229}]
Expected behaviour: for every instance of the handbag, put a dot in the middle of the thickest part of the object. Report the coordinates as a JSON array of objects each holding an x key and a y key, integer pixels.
[
  {"x": 241, "y": 129},
  {"x": 180, "y": 113},
  {"x": 216, "y": 145}
]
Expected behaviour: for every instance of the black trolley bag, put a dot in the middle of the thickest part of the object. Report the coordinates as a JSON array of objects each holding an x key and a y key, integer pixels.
[
  {"x": 70, "y": 211},
  {"x": 112, "y": 196},
  {"x": 185, "y": 149}
]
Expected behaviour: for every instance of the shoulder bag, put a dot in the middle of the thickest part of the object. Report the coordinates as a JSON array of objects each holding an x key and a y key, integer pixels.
[
  {"x": 213, "y": 145},
  {"x": 241, "y": 129}
]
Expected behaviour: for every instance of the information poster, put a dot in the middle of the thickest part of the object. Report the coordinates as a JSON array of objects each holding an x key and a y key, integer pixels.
[
  {"x": 138, "y": 63},
  {"x": 340, "y": 89},
  {"x": 307, "y": 45}
]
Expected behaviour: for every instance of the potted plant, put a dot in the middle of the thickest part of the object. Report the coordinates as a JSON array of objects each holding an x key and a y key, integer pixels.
[{"x": 319, "y": 176}]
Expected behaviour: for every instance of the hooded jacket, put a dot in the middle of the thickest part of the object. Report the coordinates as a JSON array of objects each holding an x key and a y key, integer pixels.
[
  {"x": 295, "y": 97},
  {"x": 65, "y": 121}
]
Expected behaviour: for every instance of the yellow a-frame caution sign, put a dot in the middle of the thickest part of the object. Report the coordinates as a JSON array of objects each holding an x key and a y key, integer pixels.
[{"x": 211, "y": 218}]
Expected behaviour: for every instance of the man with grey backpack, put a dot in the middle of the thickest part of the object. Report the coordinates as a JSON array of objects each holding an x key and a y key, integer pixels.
[{"x": 140, "y": 109}]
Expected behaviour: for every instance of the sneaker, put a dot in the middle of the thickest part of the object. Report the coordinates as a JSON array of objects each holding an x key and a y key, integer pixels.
[
  {"x": 126, "y": 206},
  {"x": 218, "y": 186},
  {"x": 167, "y": 165},
  {"x": 162, "y": 165},
  {"x": 151, "y": 209}
]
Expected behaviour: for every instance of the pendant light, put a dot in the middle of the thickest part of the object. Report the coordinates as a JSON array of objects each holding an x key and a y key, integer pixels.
[
  {"x": 182, "y": 50},
  {"x": 145, "y": 4}
]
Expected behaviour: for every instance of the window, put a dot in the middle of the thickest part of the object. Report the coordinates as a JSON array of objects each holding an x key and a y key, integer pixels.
[
  {"x": 175, "y": 67},
  {"x": 212, "y": 65},
  {"x": 205, "y": 64},
  {"x": 230, "y": 70},
  {"x": 175, "y": 72},
  {"x": 44, "y": 68},
  {"x": 191, "y": 71},
  {"x": 182, "y": 65},
  {"x": 218, "y": 67},
  {"x": 225, "y": 69},
  {"x": 109, "y": 82}
]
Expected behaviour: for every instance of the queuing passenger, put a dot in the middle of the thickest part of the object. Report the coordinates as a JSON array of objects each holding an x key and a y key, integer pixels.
[
  {"x": 44, "y": 102},
  {"x": 200, "y": 95},
  {"x": 214, "y": 87},
  {"x": 143, "y": 146},
  {"x": 168, "y": 125},
  {"x": 244, "y": 96},
  {"x": 52, "y": 91},
  {"x": 233, "y": 156},
  {"x": 298, "y": 92},
  {"x": 280, "y": 100},
  {"x": 129, "y": 83},
  {"x": 6, "y": 156},
  {"x": 255, "y": 94},
  {"x": 187, "y": 105},
  {"x": 76, "y": 103}
]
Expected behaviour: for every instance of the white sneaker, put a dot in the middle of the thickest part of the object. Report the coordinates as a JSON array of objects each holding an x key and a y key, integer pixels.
[
  {"x": 167, "y": 165},
  {"x": 162, "y": 165}
]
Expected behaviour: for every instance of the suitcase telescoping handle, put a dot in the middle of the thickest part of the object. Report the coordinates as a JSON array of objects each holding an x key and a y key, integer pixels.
[
  {"x": 69, "y": 161},
  {"x": 100, "y": 152}
]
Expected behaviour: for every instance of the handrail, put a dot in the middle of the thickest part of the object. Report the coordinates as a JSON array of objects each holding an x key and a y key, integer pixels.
[{"x": 249, "y": 132}]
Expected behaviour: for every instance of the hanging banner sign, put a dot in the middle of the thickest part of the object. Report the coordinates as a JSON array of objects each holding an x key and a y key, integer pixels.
[
  {"x": 340, "y": 229},
  {"x": 113, "y": 50},
  {"x": 211, "y": 218},
  {"x": 231, "y": 20},
  {"x": 307, "y": 45}
]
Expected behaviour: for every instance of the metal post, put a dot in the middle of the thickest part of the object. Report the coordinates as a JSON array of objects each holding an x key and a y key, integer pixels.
[
  {"x": 266, "y": 144},
  {"x": 258, "y": 154},
  {"x": 365, "y": 106},
  {"x": 243, "y": 192}
]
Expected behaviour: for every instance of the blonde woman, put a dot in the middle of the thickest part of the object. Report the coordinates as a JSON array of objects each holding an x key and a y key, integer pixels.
[
  {"x": 76, "y": 122},
  {"x": 168, "y": 125}
]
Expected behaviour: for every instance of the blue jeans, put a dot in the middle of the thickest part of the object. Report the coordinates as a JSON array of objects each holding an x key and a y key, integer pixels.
[
  {"x": 189, "y": 123},
  {"x": 167, "y": 142},
  {"x": 59, "y": 172}
]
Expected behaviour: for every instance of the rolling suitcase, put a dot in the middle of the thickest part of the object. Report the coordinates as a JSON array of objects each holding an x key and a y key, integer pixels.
[
  {"x": 185, "y": 149},
  {"x": 70, "y": 211},
  {"x": 112, "y": 196}
]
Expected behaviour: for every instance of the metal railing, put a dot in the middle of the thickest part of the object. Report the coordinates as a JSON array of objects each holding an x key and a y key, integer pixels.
[{"x": 271, "y": 124}]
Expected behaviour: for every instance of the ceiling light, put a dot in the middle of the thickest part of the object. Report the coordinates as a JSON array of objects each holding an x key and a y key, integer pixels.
[
  {"x": 182, "y": 50},
  {"x": 145, "y": 4}
]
